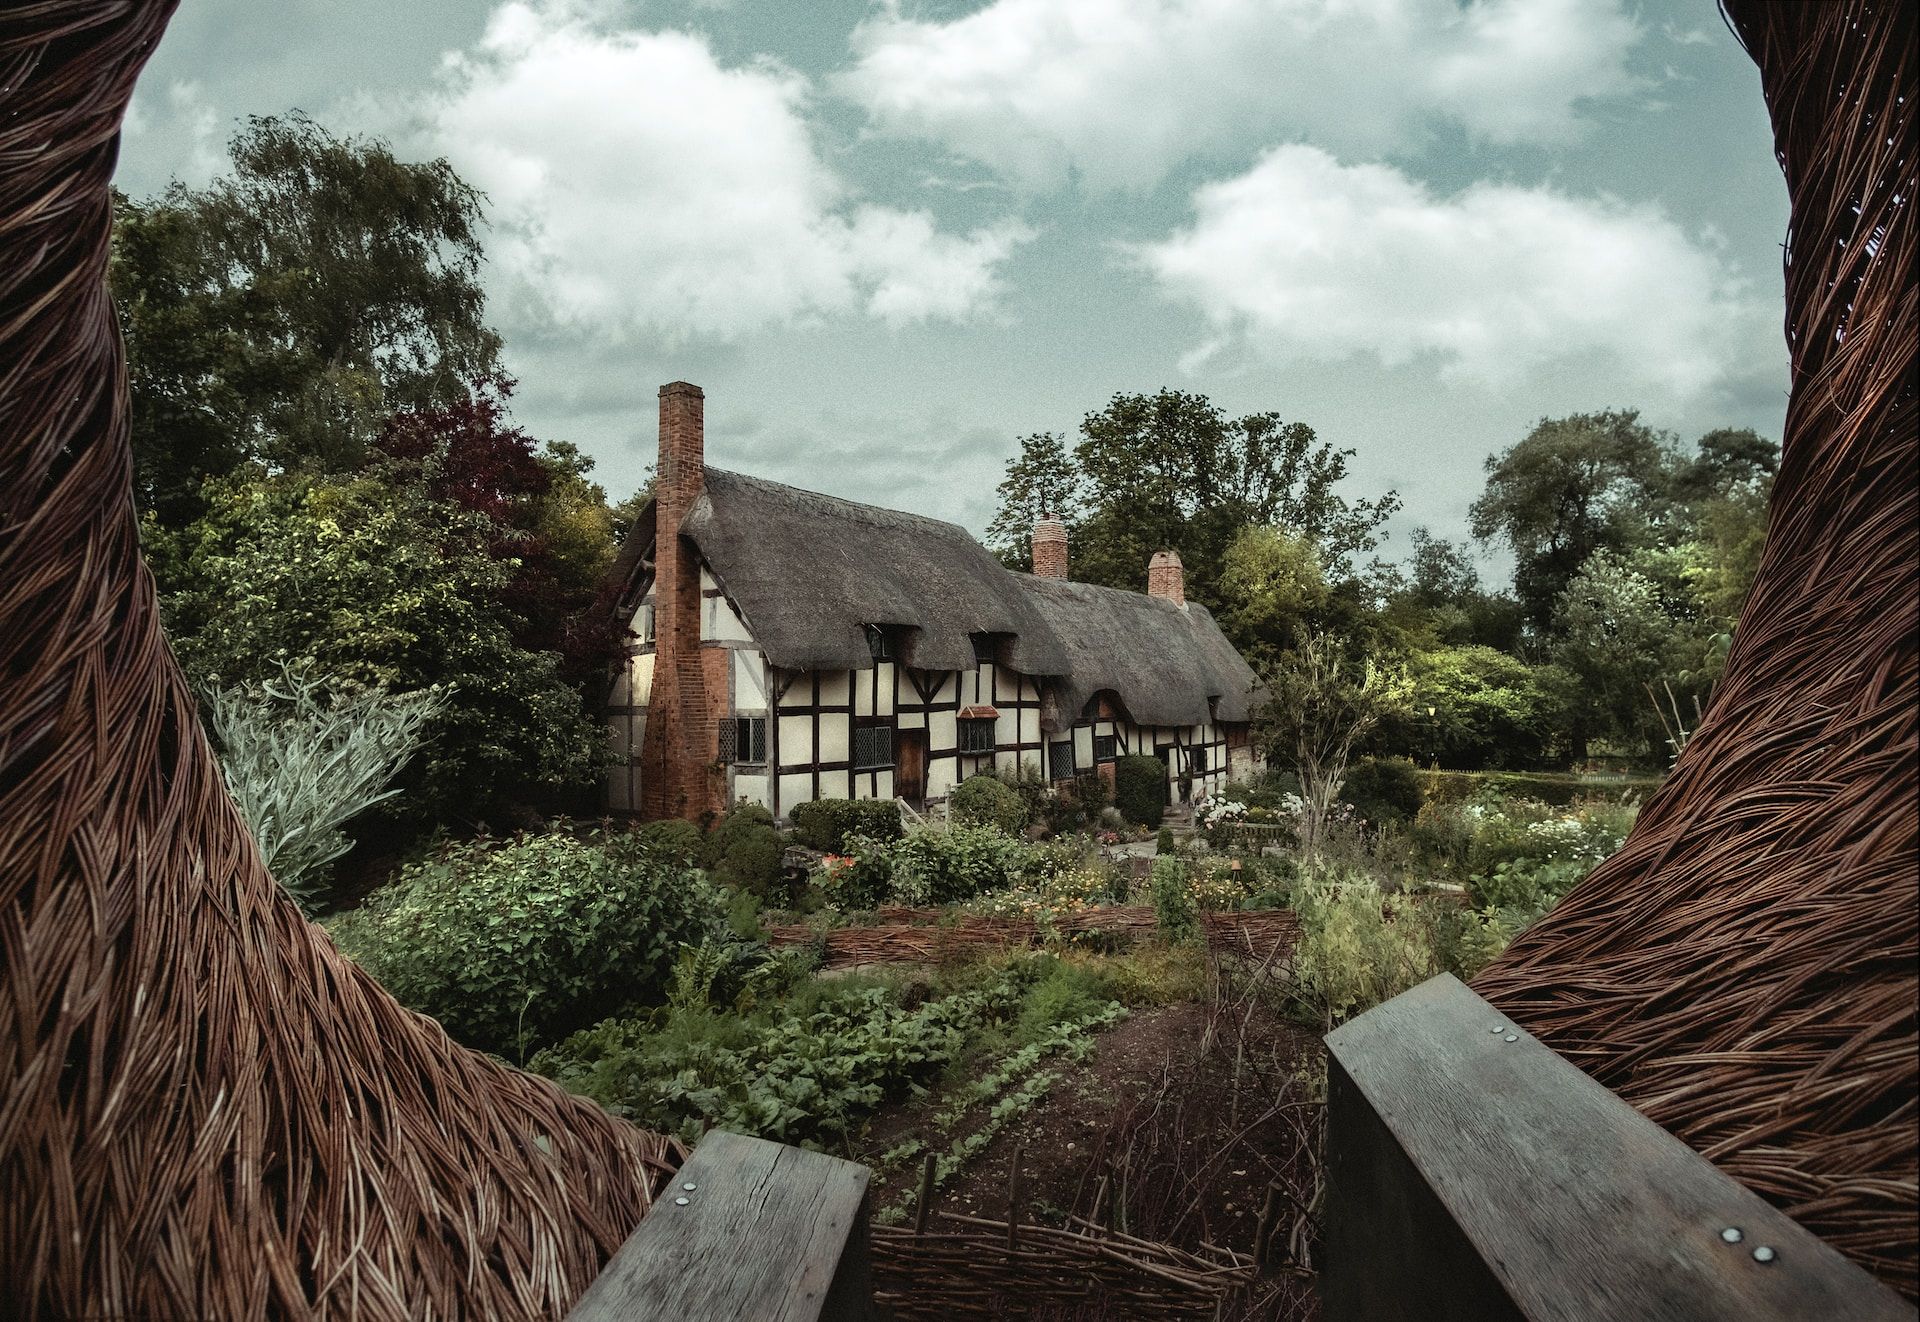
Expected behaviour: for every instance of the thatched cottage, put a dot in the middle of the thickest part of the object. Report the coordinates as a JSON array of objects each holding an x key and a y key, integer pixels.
[{"x": 786, "y": 646}]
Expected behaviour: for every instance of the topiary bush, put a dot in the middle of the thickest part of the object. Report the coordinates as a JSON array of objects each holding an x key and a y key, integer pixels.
[
  {"x": 744, "y": 851},
  {"x": 1384, "y": 790},
  {"x": 674, "y": 838},
  {"x": 827, "y": 824},
  {"x": 1140, "y": 788},
  {"x": 513, "y": 945},
  {"x": 985, "y": 800}
]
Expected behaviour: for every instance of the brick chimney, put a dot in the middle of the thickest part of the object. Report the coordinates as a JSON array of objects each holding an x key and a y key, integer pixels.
[
  {"x": 1049, "y": 547},
  {"x": 679, "y": 747},
  {"x": 1167, "y": 577}
]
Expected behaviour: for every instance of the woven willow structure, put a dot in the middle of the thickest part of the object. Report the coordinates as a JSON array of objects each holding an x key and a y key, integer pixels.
[
  {"x": 205, "y": 1111},
  {"x": 1744, "y": 970}
]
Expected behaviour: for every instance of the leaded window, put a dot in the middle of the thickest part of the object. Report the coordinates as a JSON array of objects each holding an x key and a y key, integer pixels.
[
  {"x": 872, "y": 747},
  {"x": 1060, "y": 760},
  {"x": 976, "y": 735},
  {"x": 743, "y": 739}
]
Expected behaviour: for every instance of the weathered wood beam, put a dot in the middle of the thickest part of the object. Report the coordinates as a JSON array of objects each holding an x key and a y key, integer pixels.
[
  {"x": 749, "y": 1229},
  {"x": 1474, "y": 1174}
]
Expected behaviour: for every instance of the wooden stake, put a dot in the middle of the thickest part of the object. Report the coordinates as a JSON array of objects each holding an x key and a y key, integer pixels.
[
  {"x": 1013, "y": 1201},
  {"x": 1260, "y": 1232},
  {"x": 926, "y": 1197}
]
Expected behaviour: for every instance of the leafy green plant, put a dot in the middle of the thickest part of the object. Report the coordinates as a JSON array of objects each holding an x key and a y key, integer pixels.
[
  {"x": 517, "y": 943},
  {"x": 985, "y": 800},
  {"x": 1140, "y": 788},
  {"x": 303, "y": 755},
  {"x": 675, "y": 838},
  {"x": 1173, "y": 904},
  {"x": 1356, "y": 947}
]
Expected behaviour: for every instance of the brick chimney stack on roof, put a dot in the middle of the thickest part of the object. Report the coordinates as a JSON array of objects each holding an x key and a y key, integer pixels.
[
  {"x": 1167, "y": 577},
  {"x": 1049, "y": 547},
  {"x": 680, "y": 739}
]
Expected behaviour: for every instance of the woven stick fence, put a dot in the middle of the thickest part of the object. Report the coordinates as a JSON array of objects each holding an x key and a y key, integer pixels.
[
  {"x": 972, "y": 1267},
  {"x": 207, "y": 1111},
  {"x": 918, "y": 936},
  {"x": 1744, "y": 970}
]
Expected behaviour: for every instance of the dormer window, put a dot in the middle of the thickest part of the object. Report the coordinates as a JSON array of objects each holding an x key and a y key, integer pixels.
[
  {"x": 983, "y": 648},
  {"x": 880, "y": 642}
]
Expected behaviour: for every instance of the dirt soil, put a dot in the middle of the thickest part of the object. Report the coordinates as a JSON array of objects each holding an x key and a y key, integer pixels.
[{"x": 1191, "y": 1113}]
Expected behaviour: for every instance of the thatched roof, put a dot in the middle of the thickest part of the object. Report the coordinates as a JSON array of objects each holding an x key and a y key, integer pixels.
[
  {"x": 809, "y": 572},
  {"x": 1167, "y": 664}
]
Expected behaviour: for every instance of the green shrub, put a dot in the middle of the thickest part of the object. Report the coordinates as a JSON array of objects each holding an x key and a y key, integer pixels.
[
  {"x": 744, "y": 851},
  {"x": 1163, "y": 843},
  {"x": 1385, "y": 791},
  {"x": 1140, "y": 788},
  {"x": 674, "y": 838},
  {"x": 518, "y": 943},
  {"x": 827, "y": 824},
  {"x": 944, "y": 867},
  {"x": 988, "y": 801},
  {"x": 1173, "y": 906},
  {"x": 1357, "y": 947}
]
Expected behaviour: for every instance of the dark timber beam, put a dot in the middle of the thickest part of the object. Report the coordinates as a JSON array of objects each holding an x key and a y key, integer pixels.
[
  {"x": 748, "y": 1229},
  {"x": 1475, "y": 1175}
]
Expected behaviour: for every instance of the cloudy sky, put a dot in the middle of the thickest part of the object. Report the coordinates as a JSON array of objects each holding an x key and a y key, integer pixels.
[{"x": 889, "y": 237}]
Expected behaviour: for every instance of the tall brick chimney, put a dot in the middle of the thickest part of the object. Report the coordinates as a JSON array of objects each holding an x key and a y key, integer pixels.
[
  {"x": 1167, "y": 577},
  {"x": 1049, "y": 547},
  {"x": 679, "y": 746}
]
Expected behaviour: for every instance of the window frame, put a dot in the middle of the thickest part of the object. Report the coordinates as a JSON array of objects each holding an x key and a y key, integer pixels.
[
  {"x": 737, "y": 732},
  {"x": 985, "y": 649},
  {"x": 1112, "y": 743},
  {"x": 1053, "y": 760},
  {"x": 853, "y": 746},
  {"x": 977, "y": 726},
  {"x": 879, "y": 642}
]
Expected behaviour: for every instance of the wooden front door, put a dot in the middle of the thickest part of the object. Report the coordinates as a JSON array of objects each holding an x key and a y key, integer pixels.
[{"x": 910, "y": 768}]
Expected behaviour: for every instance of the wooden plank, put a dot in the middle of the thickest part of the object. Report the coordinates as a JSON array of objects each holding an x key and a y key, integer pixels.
[
  {"x": 1476, "y": 1174},
  {"x": 767, "y": 1232}
]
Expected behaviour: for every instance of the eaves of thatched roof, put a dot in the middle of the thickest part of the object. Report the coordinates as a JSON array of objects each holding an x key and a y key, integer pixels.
[
  {"x": 1167, "y": 664},
  {"x": 809, "y": 572}
]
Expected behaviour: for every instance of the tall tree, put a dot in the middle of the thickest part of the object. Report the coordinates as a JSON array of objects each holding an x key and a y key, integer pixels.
[
  {"x": 1171, "y": 471},
  {"x": 1574, "y": 486},
  {"x": 1041, "y": 481},
  {"x": 282, "y": 312}
]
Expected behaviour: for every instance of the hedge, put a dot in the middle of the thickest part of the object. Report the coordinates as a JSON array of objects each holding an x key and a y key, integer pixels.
[
  {"x": 1140, "y": 788},
  {"x": 1557, "y": 789},
  {"x": 826, "y": 824}
]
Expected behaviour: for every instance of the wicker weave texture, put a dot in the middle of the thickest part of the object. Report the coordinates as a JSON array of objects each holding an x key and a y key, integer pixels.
[
  {"x": 1744, "y": 970},
  {"x": 206, "y": 1112}
]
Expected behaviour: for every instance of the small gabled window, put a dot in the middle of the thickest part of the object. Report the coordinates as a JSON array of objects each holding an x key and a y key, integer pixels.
[
  {"x": 880, "y": 642},
  {"x": 976, "y": 735},
  {"x": 983, "y": 648}
]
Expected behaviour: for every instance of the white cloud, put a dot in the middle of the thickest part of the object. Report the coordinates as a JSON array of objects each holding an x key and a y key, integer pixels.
[
  {"x": 635, "y": 183},
  {"x": 1122, "y": 91},
  {"x": 181, "y": 127},
  {"x": 1305, "y": 259}
]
